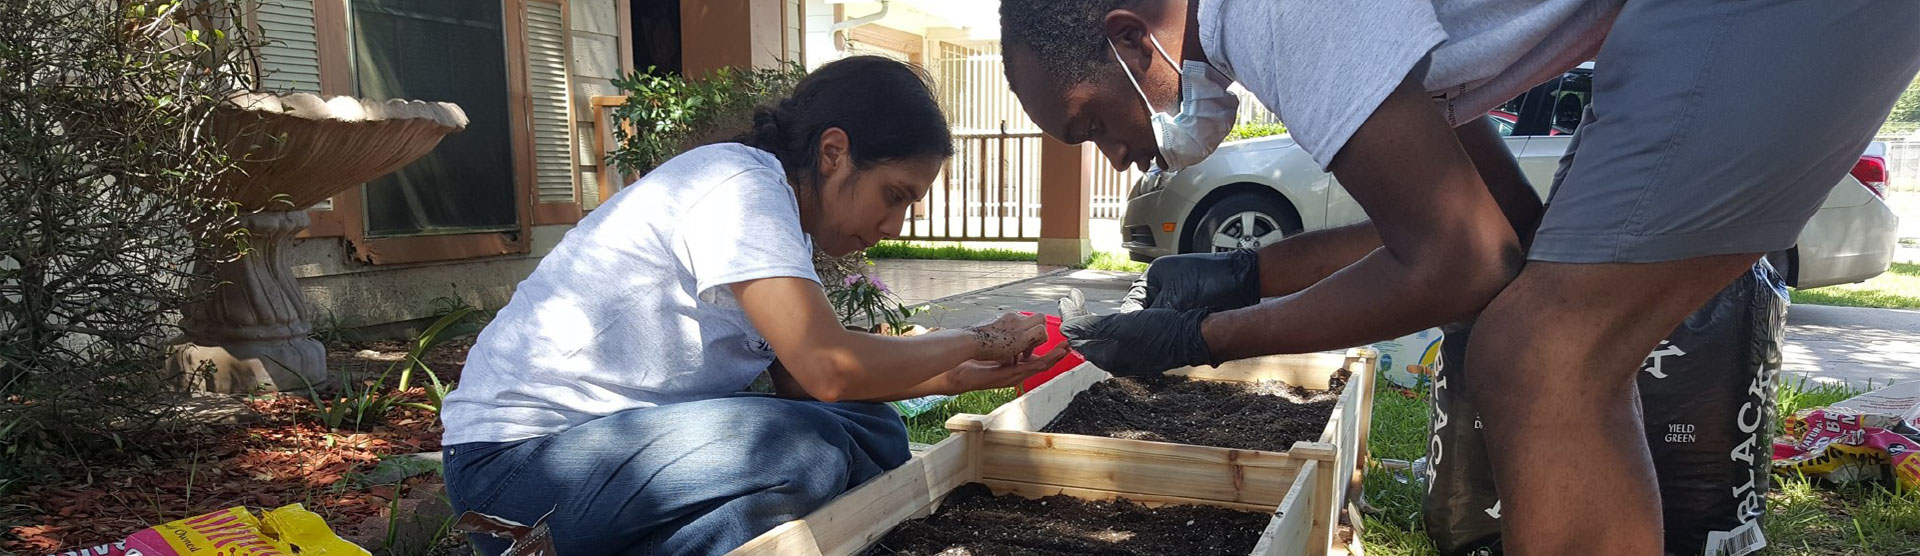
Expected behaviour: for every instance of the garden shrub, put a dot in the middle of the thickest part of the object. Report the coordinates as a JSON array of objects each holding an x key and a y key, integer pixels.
[
  {"x": 1255, "y": 130},
  {"x": 668, "y": 113},
  {"x": 109, "y": 217}
]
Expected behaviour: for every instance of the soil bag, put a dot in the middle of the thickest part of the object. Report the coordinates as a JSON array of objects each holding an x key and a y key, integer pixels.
[
  {"x": 1403, "y": 360},
  {"x": 234, "y": 532},
  {"x": 1707, "y": 397},
  {"x": 1861, "y": 438}
]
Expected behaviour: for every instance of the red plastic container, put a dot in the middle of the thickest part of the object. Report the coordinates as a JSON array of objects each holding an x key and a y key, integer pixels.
[{"x": 1067, "y": 363}]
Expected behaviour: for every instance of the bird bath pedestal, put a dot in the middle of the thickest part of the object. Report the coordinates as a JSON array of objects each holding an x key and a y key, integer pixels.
[{"x": 297, "y": 150}]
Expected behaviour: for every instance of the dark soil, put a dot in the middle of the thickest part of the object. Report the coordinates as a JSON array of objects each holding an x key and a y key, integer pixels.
[
  {"x": 371, "y": 358},
  {"x": 1267, "y": 415},
  {"x": 974, "y": 522}
]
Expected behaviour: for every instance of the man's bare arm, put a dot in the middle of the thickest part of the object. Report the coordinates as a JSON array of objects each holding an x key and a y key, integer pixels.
[
  {"x": 1303, "y": 260},
  {"x": 1447, "y": 246}
]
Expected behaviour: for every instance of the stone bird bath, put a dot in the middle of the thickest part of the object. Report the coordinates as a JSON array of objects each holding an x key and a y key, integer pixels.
[{"x": 294, "y": 150}]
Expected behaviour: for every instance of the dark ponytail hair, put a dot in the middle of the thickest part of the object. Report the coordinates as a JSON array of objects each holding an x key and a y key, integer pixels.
[{"x": 886, "y": 107}]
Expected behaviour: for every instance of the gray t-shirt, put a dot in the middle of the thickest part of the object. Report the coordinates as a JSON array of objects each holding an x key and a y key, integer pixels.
[
  {"x": 1324, "y": 66},
  {"x": 632, "y": 308}
]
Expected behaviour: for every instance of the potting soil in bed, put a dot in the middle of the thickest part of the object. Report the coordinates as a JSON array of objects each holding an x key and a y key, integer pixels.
[
  {"x": 974, "y": 522},
  {"x": 1267, "y": 415}
]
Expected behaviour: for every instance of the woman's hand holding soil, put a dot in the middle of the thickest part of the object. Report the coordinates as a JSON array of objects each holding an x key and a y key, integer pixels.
[
  {"x": 988, "y": 375},
  {"x": 1008, "y": 338}
]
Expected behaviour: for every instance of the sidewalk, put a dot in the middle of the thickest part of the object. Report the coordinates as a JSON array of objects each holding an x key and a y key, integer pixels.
[
  {"x": 919, "y": 281},
  {"x": 1040, "y": 294},
  {"x": 1852, "y": 345}
]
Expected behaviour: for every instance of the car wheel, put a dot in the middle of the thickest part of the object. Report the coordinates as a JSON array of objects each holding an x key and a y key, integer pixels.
[{"x": 1243, "y": 221}]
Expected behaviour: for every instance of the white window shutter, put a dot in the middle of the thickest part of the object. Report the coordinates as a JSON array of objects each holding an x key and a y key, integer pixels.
[
  {"x": 795, "y": 27},
  {"x": 553, "y": 166},
  {"x": 290, "y": 59},
  {"x": 289, "y": 55}
]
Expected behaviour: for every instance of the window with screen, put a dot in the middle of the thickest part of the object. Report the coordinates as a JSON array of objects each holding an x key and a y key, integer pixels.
[{"x": 440, "y": 50}]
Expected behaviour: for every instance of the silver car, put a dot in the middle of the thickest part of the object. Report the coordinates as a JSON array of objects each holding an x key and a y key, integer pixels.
[{"x": 1255, "y": 192}]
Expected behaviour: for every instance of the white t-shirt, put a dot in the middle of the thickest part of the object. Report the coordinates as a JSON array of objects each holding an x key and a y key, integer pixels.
[
  {"x": 631, "y": 309},
  {"x": 1324, "y": 66}
]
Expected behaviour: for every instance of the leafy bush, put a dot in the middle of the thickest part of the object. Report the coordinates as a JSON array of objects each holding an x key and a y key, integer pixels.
[
  {"x": 109, "y": 214},
  {"x": 669, "y": 113},
  {"x": 861, "y": 297},
  {"x": 1898, "y": 128},
  {"x": 1907, "y": 109},
  {"x": 1253, "y": 130}
]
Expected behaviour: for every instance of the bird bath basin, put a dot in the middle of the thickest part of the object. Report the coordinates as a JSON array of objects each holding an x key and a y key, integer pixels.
[{"x": 296, "y": 150}]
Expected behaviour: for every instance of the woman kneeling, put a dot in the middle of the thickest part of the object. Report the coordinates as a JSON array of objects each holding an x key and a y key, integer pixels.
[{"x": 605, "y": 395}]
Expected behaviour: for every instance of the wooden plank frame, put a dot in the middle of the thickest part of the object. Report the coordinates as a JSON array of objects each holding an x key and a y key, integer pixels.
[
  {"x": 1304, "y": 486},
  {"x": 603, "y": 107}
]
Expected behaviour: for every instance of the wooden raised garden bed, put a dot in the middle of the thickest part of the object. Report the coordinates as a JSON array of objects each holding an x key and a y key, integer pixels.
[{"x": 1305, "y": 487}]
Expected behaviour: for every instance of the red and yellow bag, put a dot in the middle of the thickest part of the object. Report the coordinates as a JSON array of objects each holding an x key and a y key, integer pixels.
[{"x": 286, "y": 531}]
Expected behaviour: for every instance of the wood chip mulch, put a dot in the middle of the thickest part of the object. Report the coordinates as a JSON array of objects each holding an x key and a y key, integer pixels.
[{"x": 286, "y": 457}]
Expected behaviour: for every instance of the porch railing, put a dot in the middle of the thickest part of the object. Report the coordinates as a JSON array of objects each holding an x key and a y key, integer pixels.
[
  {"x": 1110, "y": 189},
  {"x": 1903, "y": 163},
  {"x": 988, "y": 191}
]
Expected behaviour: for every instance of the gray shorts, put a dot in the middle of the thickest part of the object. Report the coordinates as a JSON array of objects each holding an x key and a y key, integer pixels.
[{"x": 1718, "y": 127}]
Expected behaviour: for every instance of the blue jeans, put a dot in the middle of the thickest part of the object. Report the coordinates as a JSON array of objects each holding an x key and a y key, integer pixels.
[{"x": 690, "y": 478}]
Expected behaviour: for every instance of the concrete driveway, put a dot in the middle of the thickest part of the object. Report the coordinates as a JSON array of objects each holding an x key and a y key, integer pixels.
[
  {"x": 1857, "y": 346},
  {"x": 1040, "y": 295}
]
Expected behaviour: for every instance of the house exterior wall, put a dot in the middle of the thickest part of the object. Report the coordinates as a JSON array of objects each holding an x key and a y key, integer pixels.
[
  {"x": 344, "y": 293},
  {"x": 596, "y": 62},
  {"x": 342, "y": 290}
]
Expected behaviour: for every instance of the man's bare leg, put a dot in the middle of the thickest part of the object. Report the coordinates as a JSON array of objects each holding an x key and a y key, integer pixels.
[{"x": 1555, "y": 357}]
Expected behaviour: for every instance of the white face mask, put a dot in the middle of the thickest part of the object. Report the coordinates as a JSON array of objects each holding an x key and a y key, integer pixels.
[{"x": 1207, "y": 111}]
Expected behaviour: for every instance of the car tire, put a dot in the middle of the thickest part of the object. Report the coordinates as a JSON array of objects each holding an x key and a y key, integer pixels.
[{"x": 1242, "y": 220}]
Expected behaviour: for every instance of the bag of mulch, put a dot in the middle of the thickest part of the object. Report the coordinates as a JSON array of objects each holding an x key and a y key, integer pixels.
[
  {"x": 1403, "y": 361},
  {"x": 1707, "y": 399},
  {"x": 1866, "y": 437},
  {"x": 233, "y": 532}
]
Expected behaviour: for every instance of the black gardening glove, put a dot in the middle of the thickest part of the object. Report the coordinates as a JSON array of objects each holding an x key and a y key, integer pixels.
[
  {"x": 1213, "y": 281},
  {"x": 1149, "y": 341}
]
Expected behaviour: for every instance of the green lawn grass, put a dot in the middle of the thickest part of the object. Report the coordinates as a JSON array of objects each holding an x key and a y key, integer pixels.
[
  {"x": 1117, "y": 261},
  {"x": 1898, "y": 288},
  {"x": 945, "y": 251},
  {"x": 930, "y": 427},
  {"x": 1399, "y": 432},
  {"x": 950, "y": 251},
  {"x": 1805, "y": 517},
  {"x": 1809, "y": 517}
]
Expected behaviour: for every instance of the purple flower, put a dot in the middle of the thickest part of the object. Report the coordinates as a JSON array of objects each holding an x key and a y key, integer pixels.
[
  {"x": 851, "y": 279},
  {"x": 879, "y": 284}
]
